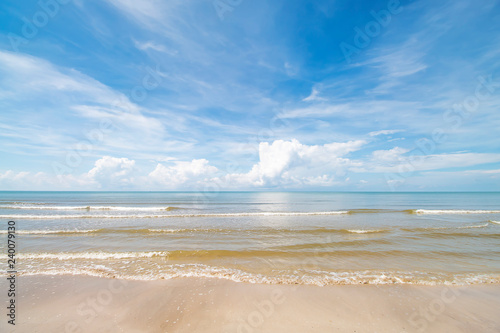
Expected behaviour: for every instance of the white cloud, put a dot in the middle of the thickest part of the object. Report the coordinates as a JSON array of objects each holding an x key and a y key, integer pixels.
[
  {"x": 72, "y": 104},
  {"x": 112, "y": 172},
  {"x": 390, "y": 110},
  {"x": 400, "y": 60},
  {"x": 282, "y": 164},
  {"x": 122, "y": 119},
  {"x": 321, "y": 110},
  {"x": 488, "y": 172},
  {"x": 29, "y": 77},
  {"x": 313, "y": 96},
  {"x": 397, "y": 161},
  {"x": 10, "y": 179},
  {"x": 394, "y": 63},
  {"x": 391, "y": 155},
  {"x": 290, "y": 163},
  {"x": 164, "y": 17},
  {"x": 468, "y": 180},
  {"x": 384, "y": 132},
  {"x": 290, "y": 69},
  {"x": 143, "y": 11},
  {"x": 182, "y": 173},
  {"x": 151, "y": 45},
  {"x": 108, "y": 173},
  {"x": 33, "y": 181}
]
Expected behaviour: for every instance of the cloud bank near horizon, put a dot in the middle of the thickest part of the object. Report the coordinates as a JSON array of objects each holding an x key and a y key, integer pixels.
[{"x": 282, "y": 165}]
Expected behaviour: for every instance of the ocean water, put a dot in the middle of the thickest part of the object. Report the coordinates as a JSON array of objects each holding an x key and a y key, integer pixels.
[{"x": 318, "y": 238}]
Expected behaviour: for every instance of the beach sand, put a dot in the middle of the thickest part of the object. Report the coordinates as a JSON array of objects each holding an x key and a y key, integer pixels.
[{"x": 92, "y": 304}]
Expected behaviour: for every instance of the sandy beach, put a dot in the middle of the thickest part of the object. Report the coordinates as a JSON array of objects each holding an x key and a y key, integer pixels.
[{"x": 91, "y": 304}]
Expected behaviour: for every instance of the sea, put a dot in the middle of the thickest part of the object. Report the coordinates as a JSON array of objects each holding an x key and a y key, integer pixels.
[{"x": 311, "y": 238}]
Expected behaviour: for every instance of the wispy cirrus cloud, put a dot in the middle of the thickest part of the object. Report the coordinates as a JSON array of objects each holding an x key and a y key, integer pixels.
[
  {"x": 385, "y": 132},
  {"x": 71, "y": 99}
]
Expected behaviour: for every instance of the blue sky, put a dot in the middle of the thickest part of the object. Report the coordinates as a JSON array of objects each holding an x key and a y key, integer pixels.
[{"x": 250, "y": 95}]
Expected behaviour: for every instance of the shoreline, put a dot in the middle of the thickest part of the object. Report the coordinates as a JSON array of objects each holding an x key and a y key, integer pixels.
[
  {"x": 88, "y": 304},
  {"x": 238, "y": 276}
]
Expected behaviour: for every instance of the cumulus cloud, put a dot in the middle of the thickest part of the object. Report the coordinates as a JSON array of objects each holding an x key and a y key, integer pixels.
[
  {"x": 291, "y": 163},
  {"x": 111, "y": 172},
  {"x": 182, "y": 173},
  {"x": 107, "y": 173},
  {"x": 282, "y": 164}
]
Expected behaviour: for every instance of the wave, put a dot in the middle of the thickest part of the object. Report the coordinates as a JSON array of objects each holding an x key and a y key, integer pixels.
[
  {"x": 92, "y": 255},
  {"x": 424, "y": 229},
  {"x": 105, "y": 231},
  {"x": 451, "y": 211},
  {"x": 318, "y": 278},
  {"x": 337, "y": 244},
  {"x": 95, "y": 216},
  {"x": 208, "y": 255},
  {"x": 366, "y": 231},
  {"x": 451, "y": 234},
  {"x": 494, "y": 222},
  {"x": 257, "y": 231},
  {"x": 373, "y": 211},
  {"x": 474, "y": 226},
  {"x": 49, "y": 232},
  {"x": 89, "y": 208}
]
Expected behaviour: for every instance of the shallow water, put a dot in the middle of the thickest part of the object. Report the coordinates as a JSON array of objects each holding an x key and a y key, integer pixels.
[{"x": 272, "y": 237}]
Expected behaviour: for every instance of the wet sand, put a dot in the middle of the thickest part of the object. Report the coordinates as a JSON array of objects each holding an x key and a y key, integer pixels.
[{"x": 91, "y": 304}]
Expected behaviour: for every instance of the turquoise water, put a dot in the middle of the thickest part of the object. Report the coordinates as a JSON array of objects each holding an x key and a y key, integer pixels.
[{"x": 268, "y": 237}]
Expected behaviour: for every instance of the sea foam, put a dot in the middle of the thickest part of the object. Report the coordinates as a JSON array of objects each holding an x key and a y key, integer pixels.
[
  {"x": 89, "y": 208},
  {"x": 109, "y": 216},
  {"x": 453, "y": 211}
]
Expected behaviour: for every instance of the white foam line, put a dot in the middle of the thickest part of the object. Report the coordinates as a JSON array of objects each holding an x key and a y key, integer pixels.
[
  {"x": 327, "y": 278},
  {"x": 47, "y": 232},
  {"x": 451, "y": 227},
  {"x": 26, "y": 216},
  {"x": 495, "y": 222},
  {"x": 474, "y": 226},
  {"x": 455, "y": 211},
  {"x": 91, "y": 255},
  {"x": 173, "y": 230},
  {"x": 365, "y": 231},
  {"x": 116, "y": 208}
]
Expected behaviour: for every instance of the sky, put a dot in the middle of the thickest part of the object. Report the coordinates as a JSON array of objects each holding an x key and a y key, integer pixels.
[{"x": 216, "y": 95}]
